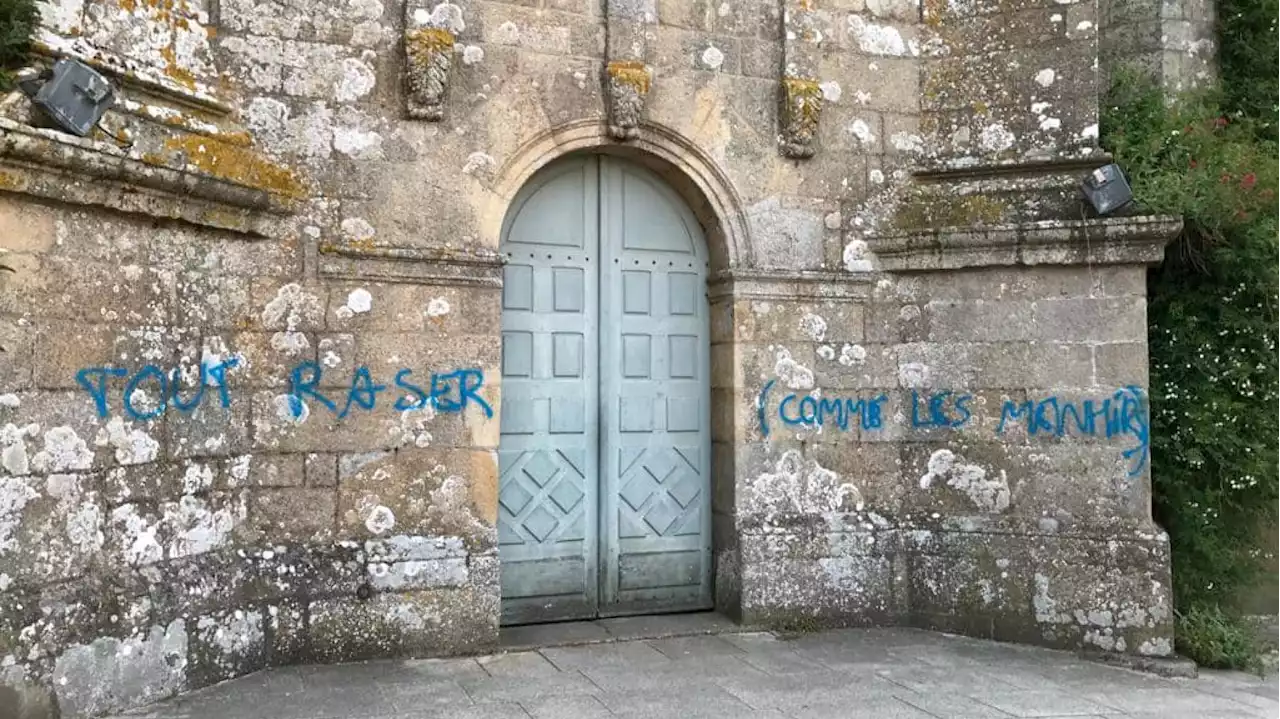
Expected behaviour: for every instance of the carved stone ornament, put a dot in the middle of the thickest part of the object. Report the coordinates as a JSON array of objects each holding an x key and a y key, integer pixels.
[
  {"x": 429, "y": 40},
  {"x": 430, "y": 55},
  {"x": 801, "y": 109},
  {"x": 628, "y": 84}
]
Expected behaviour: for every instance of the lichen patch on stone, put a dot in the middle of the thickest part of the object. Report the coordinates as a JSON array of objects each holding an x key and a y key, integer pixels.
[
  {"x": 801, "y": 487},
  {"x": 793, "y": 374},
  {"x": 988, "y": 495}
]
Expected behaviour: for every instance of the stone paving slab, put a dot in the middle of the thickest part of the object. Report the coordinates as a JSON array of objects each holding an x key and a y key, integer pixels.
[{"x": 686, "y": 670}]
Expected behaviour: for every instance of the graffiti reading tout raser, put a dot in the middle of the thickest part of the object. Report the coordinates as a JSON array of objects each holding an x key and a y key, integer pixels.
[
  {"x": 151, "y": 391},
  {"x": 1122, "y": 414}
]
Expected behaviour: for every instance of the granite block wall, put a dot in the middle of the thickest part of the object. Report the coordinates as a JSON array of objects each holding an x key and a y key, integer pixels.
[{"x": 250, "y": 392}]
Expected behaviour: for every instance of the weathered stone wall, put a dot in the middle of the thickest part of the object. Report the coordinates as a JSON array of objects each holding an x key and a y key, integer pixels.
[
  {"x": 954, "y": 510},
  {"x": 312, "y": 202},
  {"x": 1174, "y": 40}
]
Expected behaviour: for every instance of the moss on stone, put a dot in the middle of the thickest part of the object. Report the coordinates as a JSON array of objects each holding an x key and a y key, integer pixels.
[
  {"x": 632, "y": 73},
  {"x": 235, "y": 164},
  {"x": 920, "y": 210},
  {"x": 794, "y": 624},
  {"x": 11, "y": 182},
  {"x": 804, "y": 96},
  {"x": 934, "y": 11},
  {"x": 175, "y": 71},
  {"x": 424, "y": 42}
]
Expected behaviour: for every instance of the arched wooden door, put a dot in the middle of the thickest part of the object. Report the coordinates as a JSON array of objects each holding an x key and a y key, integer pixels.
[{"x": 605, "y": 453}]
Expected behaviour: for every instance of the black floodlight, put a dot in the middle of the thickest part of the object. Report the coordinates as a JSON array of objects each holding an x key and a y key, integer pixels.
[
  {"x": 75, "y": 96},
  {"x": 1106, "y": 189}
]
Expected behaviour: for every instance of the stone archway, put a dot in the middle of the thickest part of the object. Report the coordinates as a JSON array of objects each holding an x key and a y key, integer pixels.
[
  {"x": 709, "y": 195},
  {"x": 695, "y": 176}
]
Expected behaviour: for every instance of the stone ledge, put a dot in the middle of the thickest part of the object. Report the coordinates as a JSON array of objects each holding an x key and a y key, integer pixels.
[
  {"x": 970, "y": 166},
  {"x": 128, "y": 71},
  {"x": 470, "y": 267},
  {"x": 82, "y": 171},
  {"x": 923, "y": 524},
  {"x": 777, "y": 284},
  {"x": 1102, "y": 241}
]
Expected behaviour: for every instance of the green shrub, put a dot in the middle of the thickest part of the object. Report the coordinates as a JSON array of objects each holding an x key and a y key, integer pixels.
[
  {"x": 17, "y": 21},
  {"x": 1247, "y": 51},
  {"x": 1212, "y": 330},
  {"x": 1214, "y": 158},
  {"x": 1212, "y": 638}
]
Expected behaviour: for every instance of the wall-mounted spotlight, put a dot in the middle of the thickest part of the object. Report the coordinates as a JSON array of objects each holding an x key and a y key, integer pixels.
[
  {"x": 73, "y": 94},
  {"x": 1107, "y": 189}
]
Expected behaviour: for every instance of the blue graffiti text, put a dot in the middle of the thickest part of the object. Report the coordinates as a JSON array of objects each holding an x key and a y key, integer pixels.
[
  {"x": 940, "y": 409},
  {"x": 1124, "y": 413},
  {"x": 160, "y": 389},
  {"x": 446, "y": 392}
]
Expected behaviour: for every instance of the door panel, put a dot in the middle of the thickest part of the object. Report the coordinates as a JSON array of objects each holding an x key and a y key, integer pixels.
[
  {"x": 605, "y": 427},
  {"x": 654, "y": 417},
  {"x": 547, "y": 456}
]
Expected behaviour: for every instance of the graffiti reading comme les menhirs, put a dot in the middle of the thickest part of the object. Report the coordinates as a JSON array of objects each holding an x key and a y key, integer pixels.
[{"x": 1122, "y": 414}]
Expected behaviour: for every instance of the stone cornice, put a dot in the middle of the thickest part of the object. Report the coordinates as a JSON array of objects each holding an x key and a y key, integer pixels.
[
  {"x": 1101, "y": 241},
  {"x": 780, "y": 284},
  {"x": 55, "y": 165},
  {"x": 469, "y": 267},
  {"x": 129, "y": 72},
  {"x": 952, "y": 169}
]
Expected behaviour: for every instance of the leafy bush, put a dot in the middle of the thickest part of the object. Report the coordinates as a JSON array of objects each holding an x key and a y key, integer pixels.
[
  {"x": 17, "y": 21},
  {"x": 1212, "y": 330},
  {"x": 1212, "y": 311},
  {"x": 1213, "y": 638},
  {"x": 1247, "y": 50}
]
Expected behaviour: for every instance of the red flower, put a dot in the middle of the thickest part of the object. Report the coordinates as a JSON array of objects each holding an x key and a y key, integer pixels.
[
  {"x": 1220, "y": 122},
  {"x": 1249, "y": 181},
  {"x": 1193, "y": 164}
]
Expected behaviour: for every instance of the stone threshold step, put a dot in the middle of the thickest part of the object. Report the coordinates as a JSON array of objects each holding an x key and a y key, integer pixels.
[{"x": 616, "y": 629}]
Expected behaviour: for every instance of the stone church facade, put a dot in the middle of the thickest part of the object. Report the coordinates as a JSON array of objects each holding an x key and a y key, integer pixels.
[{"x": 360, "y": 329}]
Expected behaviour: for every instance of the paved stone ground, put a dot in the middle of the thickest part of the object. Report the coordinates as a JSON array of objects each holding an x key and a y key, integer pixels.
[{"x": 876, "y": 674}]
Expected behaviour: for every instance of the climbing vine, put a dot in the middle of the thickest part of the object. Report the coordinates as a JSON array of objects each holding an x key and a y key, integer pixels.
[{"x": 1212, "y": 312}]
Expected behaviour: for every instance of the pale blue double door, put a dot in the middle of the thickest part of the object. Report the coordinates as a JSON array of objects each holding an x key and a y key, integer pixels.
[{"x": 604, "y": 459}]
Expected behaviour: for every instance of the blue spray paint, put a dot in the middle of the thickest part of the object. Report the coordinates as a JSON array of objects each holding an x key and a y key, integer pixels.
[
  {"x": 820, "y": 411},
  {"x": 98, "y": 389},
  {"x": 760, "y": 407},
  {"x": 1124, "y": 413},
  {"x": 937, "y": 414},
  {"x": 812, "y": 411},
  {"x": 450, "y": 392},
  {"x": 94, "y": 381}
]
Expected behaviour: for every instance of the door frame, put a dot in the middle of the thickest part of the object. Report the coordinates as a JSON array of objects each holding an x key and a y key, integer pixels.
[{"x": 601, "y": 565}]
